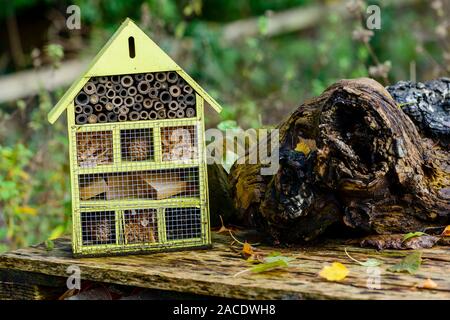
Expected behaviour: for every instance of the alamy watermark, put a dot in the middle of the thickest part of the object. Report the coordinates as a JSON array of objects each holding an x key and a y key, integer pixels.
[
  {"x": 74, "y": 280},
  {"x": 73, "y": 21}
]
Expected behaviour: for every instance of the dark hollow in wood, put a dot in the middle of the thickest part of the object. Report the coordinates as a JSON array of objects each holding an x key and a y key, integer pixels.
[
  {"x": 122, "y": 117},
  {"x": 180, "y": 114},
  {"x": 153, "y": 93},
  {"x": 82, "y": 98},
  {"x": 158, "y": 105},
  {"x": 112, "y": 117},
  {"x": 78, "y": 109},
  {"x": 190, "y": 112},
  {"x": 117, "y": 101},
  {"x": 161, "y": 76},
  {"x": 137, "y": 107},
  {"x": 147, "y": 103},
  {"x": 187, "y": 89},
  {"x": 152, "y": 115},
  {"x": 161, "y": 114},
  {"x": 81, "y": 119},
  {"x": 101, "y": 90},
  {"x": 101, "y": 117},
  {"x": 134, "y": 116},
  {"x": 89, "y": 88},
  {"x": 123, "y": 93},
  {"x": 165, "y": 97},
  {"x": 139, "y": 98},
  {"x": 104, "y": 100},
  {"x": 352, "y": 158},
  {"x": 115, "y": 79},
  {"x": 143, "y": 115},
  {"x": 171, "y": 114},
  {"x": 87, "y": 110},
  {"x": 110, "y": 94},
  {"x": 173, "y": 105},
  {"x": 129, "y": 101},
  {"x": 126, "y": 81},
  {"x": 143, "y": 87},
  {"x": 189, "y": 99},
  {"x": 175, "y": 91},
  {"x": 98, "y": 107},
  {"x": 172, "y": 77},
  {"x": 149, "y": 77},
  {"x": 132, "y": 91}
]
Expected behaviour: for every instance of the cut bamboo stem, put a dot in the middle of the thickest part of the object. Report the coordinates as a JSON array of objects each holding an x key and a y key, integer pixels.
[{"x": 92, "y": 119}]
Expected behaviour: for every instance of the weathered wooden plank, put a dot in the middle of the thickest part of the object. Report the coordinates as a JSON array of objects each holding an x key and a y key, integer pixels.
[{"x": 210, "y": 272}]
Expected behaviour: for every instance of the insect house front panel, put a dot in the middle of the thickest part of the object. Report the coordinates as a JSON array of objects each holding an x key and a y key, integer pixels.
[{"x": 137, "y": 151}]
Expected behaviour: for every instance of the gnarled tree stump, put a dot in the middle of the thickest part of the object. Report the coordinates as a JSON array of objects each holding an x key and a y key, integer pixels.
[{"x": 350, "y": 157}]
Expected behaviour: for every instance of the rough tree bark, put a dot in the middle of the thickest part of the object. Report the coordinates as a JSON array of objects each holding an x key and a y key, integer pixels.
[{"x": 349, "y": 157}]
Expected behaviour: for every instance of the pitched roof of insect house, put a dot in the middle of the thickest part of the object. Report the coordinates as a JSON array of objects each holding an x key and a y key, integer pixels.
[{"x": 114, "y": 58}]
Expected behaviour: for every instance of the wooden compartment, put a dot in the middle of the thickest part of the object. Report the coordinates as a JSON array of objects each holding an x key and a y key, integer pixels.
[
  {"x": 98, "y": 228},
  {"x": 152, "y": 185},
  {"x": 137, "y": 144},
  {"x": 179, "y": 143},
  {"x": 183, "y": 223},
  {"x": 140, "y": 226},
  {"x": 94, "y": 148}
]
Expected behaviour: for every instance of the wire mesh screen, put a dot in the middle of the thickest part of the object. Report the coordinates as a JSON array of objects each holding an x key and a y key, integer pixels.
[
  {"x": 183, "y": 223},
  {"x": 141, "y": 226},
  {"x": 154, "y": 185},
  {"x": 137, "y": 144},
  {"x": 94, "y": 148},
  {"x": 98, "y": 227},
  {"x": 179, "y": 143},
  {"x": 136, "y": 97}
]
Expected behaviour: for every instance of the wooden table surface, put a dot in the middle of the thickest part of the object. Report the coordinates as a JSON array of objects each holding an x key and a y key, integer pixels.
[{"x": 210, "y": 272}]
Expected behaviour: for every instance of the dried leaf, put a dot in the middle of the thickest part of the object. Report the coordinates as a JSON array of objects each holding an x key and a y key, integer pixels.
[
  {"x": 428, "y": 284},
  {"x": 334, "y": 272},
  {"x": 303, "y": 148},
  {"x": 411, "y": 235},
  {"x": 446, "y": 232},
  {"x": 247, "y": 249},
  {"x": 411, "y": 263}
]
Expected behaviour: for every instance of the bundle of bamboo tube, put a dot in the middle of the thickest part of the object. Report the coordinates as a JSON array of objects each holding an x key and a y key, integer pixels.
[{"x": 142, "y": 96}]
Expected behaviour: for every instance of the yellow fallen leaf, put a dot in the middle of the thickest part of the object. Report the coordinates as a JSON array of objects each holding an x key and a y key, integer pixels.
[
  {"x": 302, "y": 147},
  {"x": 305, "y": 146},
  {"x": 247, "y": 249},
  {"x": 334, "y": 272},
  {"x": 446, "y": 232},
  {"x": 429, "y": 284},
  {"x": 27, "y": 210}
]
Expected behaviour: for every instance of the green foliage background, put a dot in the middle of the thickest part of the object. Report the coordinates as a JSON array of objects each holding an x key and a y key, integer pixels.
[{"x": 259, "y": 80}]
